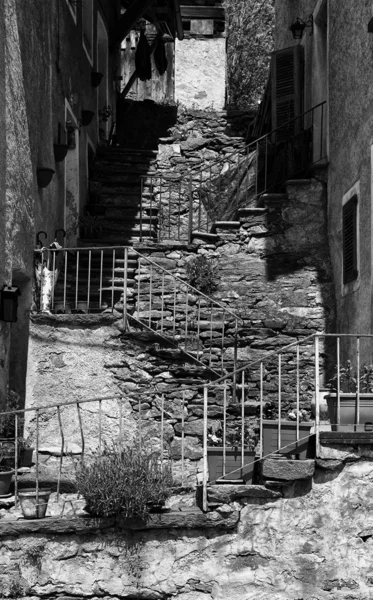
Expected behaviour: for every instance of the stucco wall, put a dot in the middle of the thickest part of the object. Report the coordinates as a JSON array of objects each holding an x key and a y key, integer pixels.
[
  {"x": 316, "y": 543},
  {"x": 200, "y": 72},
  {"x": 350, "y": 131},
  {"x": 41, "y": 72}
]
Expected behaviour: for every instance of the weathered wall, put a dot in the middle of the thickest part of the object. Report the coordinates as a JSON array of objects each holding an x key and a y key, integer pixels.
[
  {"x": 200, "y": 72},
  {"x": 317, "y": 543},
  {"x": 350, "y": 138},
  {"x": 273, "y": 272},
  {"x": 41, "y": 72}
]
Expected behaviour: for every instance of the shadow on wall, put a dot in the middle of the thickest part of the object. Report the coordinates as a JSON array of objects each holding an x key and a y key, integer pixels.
[
  {"x": 19, "y": 336},
  {"x": 141, "y": 124}
]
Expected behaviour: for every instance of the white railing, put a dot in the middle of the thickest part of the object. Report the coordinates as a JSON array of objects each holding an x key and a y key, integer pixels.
[
  {"x": 93, "y": 280},
  {"x": 193, "y": 201},
  {"x": 286, "y": 381}
]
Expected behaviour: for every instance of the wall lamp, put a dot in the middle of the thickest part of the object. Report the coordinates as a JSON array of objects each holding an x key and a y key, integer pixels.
[
  {"x": 297, "y": 28},
  {"x": 9, "y": 303}
]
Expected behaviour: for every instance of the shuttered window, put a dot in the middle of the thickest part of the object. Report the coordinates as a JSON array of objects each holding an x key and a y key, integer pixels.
[
  {"x": 349, "y": 228},
  {"x": 287, "y": 90}
]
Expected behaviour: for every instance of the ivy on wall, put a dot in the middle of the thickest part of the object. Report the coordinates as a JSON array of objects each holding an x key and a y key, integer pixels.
[{"x": 250, "y": 31}]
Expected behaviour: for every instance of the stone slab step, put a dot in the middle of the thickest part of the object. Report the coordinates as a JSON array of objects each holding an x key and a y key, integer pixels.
[
  {"x": 207, "y": 237},
  {"x": 221, "y": 225},
  {"x": 246, "y": 212},
  {"x": 271, "y": 200}
]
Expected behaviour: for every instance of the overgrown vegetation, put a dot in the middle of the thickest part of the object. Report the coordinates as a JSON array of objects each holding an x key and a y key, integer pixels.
[
  {"x": 123, "y": 482},
  {"x": 202, "y": 273},
  {"x": 250, "y": 29}
]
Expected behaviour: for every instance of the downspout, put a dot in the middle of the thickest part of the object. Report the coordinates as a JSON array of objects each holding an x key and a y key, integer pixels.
[{"x": 178, "y": 19}]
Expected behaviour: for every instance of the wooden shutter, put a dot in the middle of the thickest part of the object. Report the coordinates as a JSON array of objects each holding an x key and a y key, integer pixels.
[
  {"x": 349, "y": 230},
  {"x": 287, "y": 90}
]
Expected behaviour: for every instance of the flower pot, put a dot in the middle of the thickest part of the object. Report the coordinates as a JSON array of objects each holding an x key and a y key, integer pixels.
[
  {"x": 60, "y": 151},
  {"x": 5, "y": 481},
  {"x": 25, "y": 457},
  {"x": 304, "y": 447},
  {"x": 348, "y": 411},
  {"x": 86, "y": 117},
  {"x": 233, "y": 468},
  {"x": 44, "y": 176},
  {"x": 32, "y": 509},
  {"x": 96, "y": 78}
]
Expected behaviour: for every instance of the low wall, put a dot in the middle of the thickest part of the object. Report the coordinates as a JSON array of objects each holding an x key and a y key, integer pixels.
[{"x": 316, "y": 543}]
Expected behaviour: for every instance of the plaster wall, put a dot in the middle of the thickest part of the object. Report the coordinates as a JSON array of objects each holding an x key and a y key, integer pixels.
[
  {"x": 41, "y": 72},
  {"x": 315, "y": 543},
  {"x": 350, "y": 138},
  {"x": 200, "y": 72}
]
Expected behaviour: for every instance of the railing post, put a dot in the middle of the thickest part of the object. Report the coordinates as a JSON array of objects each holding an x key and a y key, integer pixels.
[
  {"x": 190, "y": 226},
  {"x": 317, "y": 394},
  {"x": 205, "y": 469},
  {"x": 261, "y": 412},
  {"x": 125, "y": 277}
]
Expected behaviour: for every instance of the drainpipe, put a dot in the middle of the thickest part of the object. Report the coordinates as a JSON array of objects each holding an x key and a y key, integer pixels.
[{"x": 178, "y": 20}]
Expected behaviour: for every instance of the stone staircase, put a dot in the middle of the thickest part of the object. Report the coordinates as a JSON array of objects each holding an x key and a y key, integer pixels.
[{"x": 116, "y": 199}]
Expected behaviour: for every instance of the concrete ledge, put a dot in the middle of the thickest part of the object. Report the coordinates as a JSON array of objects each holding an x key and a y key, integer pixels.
[
  {"x": 287, "y": 470},
  {"x": 167, "y": 520},
  {"x": 229, "y": 493},
  {"x": 350, "y": 438}
]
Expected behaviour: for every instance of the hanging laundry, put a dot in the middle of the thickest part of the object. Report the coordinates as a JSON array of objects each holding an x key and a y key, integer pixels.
[
  {"x": 142, "y": 58},
  {"x": 160, "y": 57}
]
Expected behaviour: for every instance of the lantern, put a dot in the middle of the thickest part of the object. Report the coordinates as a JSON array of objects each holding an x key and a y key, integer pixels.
[{"x": 9, "y": 303}]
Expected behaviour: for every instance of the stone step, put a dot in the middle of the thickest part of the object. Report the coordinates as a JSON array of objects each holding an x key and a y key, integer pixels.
[
  {"x": 273, "y": 200},
  {"x": 225, "y": 225}
]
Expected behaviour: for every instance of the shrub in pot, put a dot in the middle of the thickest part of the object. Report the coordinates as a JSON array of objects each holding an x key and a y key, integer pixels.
[
  {"x": 233, "y": 455},
  {"x": 123, "y": 481},
  {"x": 348, "y": 379}
]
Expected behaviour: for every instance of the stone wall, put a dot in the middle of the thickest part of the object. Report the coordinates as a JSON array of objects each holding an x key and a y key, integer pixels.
[
  {"x": 200, "y": 72},
  {"x": 273, "y": 272},
  {"x": 313, "y": 543}
]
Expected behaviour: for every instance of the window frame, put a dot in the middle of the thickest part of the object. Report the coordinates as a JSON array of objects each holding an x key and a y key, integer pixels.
[{"x": 350, "y": 210}]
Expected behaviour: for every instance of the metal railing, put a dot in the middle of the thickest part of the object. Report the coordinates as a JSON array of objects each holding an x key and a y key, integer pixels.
[
  {"x": 287, "y": 380},
  {"x": 285, "y": 383},
  {"x": 93, "y": 280},
  {"x": 193, "y": 201},
  {"x": 82, "y": 427}
]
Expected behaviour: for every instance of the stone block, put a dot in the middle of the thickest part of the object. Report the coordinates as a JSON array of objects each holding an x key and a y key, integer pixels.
[
  {"x": 224, "y": 494},
  {"x": 288, "y": 470}
]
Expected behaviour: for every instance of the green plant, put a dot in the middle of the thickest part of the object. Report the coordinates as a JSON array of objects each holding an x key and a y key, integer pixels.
[
  {"x": 122, "y": 481},
  {"x": 348, "y": 379},
  {"x": 91, "y": 225},
  {"x": 233, "y": 438},
  {"x": 105, "y": 113},
  {"x": 250, "y": 41},
  {"x": 202, "y": 274},
  {"x": 8, "y": 421}
]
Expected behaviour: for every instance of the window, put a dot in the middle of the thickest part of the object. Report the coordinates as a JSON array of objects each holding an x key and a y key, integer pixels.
[
  {"x": 350, "y": 242},
  {"x": 349, "y": 232},
  {"x": 87, "y": 16}
]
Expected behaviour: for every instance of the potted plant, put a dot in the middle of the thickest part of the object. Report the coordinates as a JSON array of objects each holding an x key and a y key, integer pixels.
[
  {"x": 123, "y": 482},
  {"x": 348, "y": 398},
  {"x": 233, "y": 455},
  {"x": 301, "y": 447},
  {"x": 25, "y": 450},
  {"x": 6, "y": 473},
  {"x": 90, "y": 226},
  {"x": 34, "y": 502}
]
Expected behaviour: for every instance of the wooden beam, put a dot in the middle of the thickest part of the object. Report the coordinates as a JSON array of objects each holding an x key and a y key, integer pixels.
[
  {"x": 127, "y": 21},
  {"x": 202, "y": 12}
]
